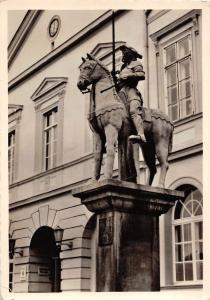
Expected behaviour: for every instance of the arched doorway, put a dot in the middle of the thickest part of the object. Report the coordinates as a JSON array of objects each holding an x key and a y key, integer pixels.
[
  {"x": 44, "y": 266},
  {"x": 89, "y": 241}
]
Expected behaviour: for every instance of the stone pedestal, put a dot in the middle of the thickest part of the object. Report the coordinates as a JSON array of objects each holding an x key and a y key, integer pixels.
[{"x": 127, "y": 232}]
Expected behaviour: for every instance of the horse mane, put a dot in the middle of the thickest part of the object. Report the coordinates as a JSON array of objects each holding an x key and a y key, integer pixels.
[{"x": 101, "y": 65}]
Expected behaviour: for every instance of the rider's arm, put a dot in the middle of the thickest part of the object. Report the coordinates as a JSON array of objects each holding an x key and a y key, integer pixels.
[{"x": 134, "y": 70}]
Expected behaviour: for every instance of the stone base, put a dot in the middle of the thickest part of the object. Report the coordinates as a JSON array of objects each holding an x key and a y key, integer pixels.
[{"x": 128, "y": 232}]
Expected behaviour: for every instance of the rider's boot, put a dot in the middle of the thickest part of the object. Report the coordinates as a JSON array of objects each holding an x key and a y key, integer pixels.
[{"x": 138, "y": 122}]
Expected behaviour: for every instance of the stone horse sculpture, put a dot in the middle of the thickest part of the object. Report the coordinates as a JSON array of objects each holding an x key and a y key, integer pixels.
[{"x": 111, "y": 124}]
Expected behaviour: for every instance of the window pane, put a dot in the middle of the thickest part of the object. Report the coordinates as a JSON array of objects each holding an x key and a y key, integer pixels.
[
  {"x": 188, "y": 252},
  {"x": 48, "y": 136},
  {"x": 55, "y": 116},
  {"x": 197, "y": 195},
  {"x": 188, "y": 271},
  {"x": 179, "y": 253},
  {"x": 199, "y": 267},
  {"x": 187, "y": 232},
  {"x": 47, "y": 163},
  {"x": 199, "y": 230},
  {"x": 183, "y": 47},
  {"x": 186, "y": 107},
  {"x": 170, "y": 54},
  {"x": 49, "y": 119},
  {"x": 179, "y": 272},
  {"x": 11, "y": 267},
  {"x": 178, "y": 234},
  {"x": 184, "y": 69},
  {"x": 172, "y": 95},
  {"x": 199, "y": 250},
  {"x": 197, "y": 208},
  {"x": 185, "y": 89},
  {"x": 185, "y": 213},
  {"x": 174, "y": 112},
  {"x": 48, "y": 150},
  {"x": 9, "y": 155},
  {"x": 171, "y": 75}
]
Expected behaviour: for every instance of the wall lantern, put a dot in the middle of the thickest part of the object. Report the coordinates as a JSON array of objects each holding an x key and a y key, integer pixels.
[
  {"x": 12, "y": 250},
  {"x": 58, "y": 234}
]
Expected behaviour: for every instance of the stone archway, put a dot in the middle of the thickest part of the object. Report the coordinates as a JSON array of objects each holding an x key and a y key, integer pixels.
[
  {"x": 44, "y": 262},
  {"x": 89, "y": 241}
]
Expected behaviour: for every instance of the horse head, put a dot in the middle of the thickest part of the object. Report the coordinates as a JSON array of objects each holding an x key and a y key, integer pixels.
[{"x": 91, "y": 70}]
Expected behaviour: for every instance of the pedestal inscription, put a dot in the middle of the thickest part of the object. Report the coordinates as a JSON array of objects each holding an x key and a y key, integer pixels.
[{"x": 105, "y": 231}]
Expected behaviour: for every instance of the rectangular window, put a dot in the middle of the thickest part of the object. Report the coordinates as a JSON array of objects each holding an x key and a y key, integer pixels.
[
  {"x": 178, "y": 71},
  {"x": 50, "y": 138},
  {"x": 11, "y": 155},
  {"x": 189, "y": 252}
]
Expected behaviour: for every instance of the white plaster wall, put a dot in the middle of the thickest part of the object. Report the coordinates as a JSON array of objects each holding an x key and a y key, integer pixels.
[
  {"x": 74, "y": 106},
  {"x": 38, "y": 44}
]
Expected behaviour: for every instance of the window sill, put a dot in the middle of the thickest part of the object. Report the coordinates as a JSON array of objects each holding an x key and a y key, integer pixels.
[
  {"x": 188, "y": 119},
  {"x": 184, "y": 286}
]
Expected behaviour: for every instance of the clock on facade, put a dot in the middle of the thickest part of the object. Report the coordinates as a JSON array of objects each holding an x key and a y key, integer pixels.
[{"x": 54, "y": 27}]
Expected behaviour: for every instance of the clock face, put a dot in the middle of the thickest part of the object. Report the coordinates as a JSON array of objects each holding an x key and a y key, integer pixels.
[{"x": 54, "y": 27}]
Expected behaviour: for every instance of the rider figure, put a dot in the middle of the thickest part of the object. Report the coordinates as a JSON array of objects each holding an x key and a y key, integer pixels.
[{"x": 130, "y": 74}]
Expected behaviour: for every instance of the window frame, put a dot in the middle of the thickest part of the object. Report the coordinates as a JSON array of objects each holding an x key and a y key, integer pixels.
[
  {"x": 176, "y": 62},
  {"x": 46, "y": 129},
  {"x": 11, "y": 263},
  {"x": 191, "y": 22},
  {"x": 11, "y": 162},
  {"x": 46, "y": 100},
  {"x": 14, "y": 118},
  {"x": 181, "y": 221}
]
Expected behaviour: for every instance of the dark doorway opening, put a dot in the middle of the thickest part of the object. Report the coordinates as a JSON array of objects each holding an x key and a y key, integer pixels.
[{"x": 44, "y": 266}]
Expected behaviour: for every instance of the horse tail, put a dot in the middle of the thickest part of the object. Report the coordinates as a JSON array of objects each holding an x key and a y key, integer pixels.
[{"x": 170, "y": 145}]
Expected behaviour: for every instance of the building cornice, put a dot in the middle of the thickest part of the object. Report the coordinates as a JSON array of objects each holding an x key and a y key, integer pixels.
[
  {"x": 71, "y": 42},
  {"x": 159, "y": 14},
  {"x": 51, "y": 171},
  {"x": 21, "y": 34},
  {"x": 190, "y": 16}
]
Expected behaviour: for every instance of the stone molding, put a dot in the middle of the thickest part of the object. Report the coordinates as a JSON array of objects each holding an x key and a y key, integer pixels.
[
  {"x": 124, "y": 196},
  {"x": 23, "y": 30},
  {"x": 190, "y": 16}
]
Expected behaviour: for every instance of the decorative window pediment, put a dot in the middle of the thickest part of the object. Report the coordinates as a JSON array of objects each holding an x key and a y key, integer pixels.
[
  {"x": 14, "y": 111},
  {"x": 49, "y": 106},
  {"x": 50, "y": 85}
]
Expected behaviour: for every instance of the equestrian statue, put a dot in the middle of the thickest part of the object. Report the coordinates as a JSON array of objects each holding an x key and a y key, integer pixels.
[{"x": 118, "y": 119}]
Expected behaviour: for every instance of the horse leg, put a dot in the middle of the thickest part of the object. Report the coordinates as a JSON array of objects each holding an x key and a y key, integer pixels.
[
  {"x": 148, "y": 151},
  {"x": 98, "y": 155},
  {"x": 136, "y": 161},
  {"x": 111, "y": 140},
  {"x": 162, "y": 156}
]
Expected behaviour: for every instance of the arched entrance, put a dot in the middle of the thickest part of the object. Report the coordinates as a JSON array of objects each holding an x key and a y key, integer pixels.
[
  {"x": 89, "y": 241},
  {"x": 44, "y": 266}
]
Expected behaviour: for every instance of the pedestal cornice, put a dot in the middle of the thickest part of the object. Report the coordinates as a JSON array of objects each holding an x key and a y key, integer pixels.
[{"x": 110, "y": 194}]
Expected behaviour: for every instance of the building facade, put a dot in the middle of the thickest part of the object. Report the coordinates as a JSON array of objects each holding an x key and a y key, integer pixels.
[{"x": 50, "y": 143}]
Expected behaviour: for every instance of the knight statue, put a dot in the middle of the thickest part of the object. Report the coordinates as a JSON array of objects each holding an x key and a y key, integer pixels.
[{"x": 130, "y": 74}]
